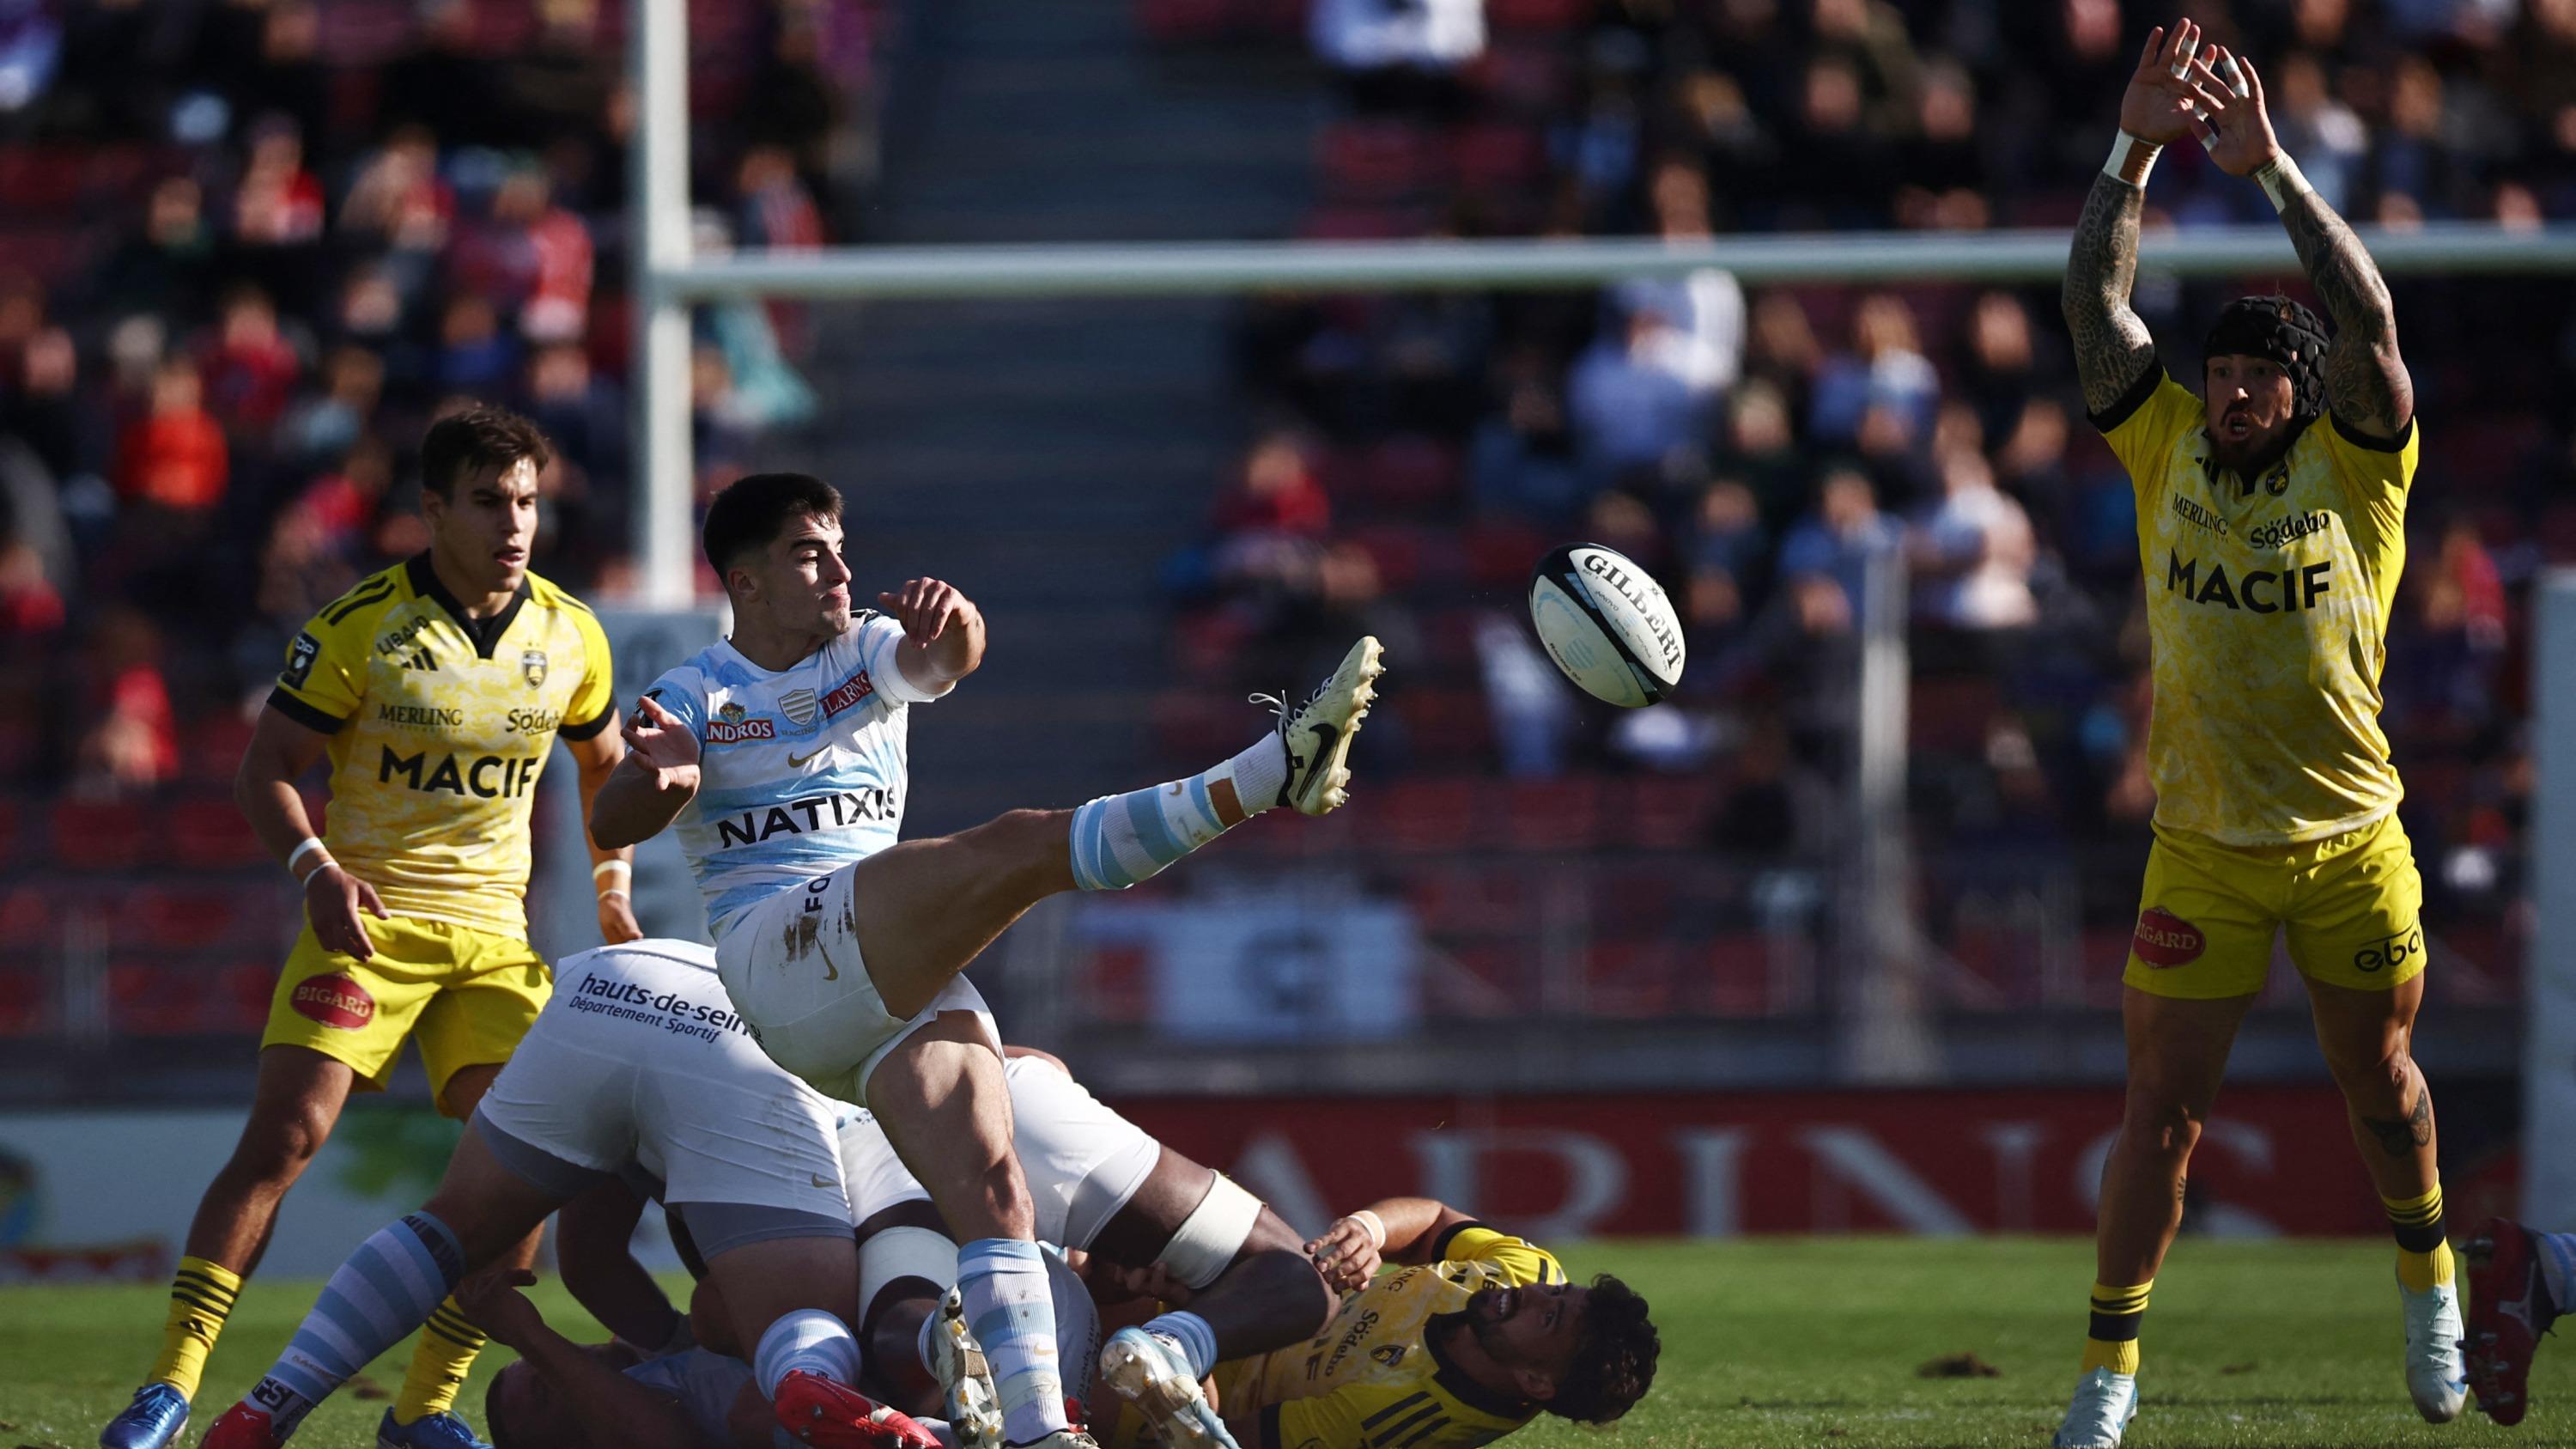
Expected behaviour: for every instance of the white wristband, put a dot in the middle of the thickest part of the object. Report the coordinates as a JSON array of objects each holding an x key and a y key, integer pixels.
[
  {"x": 2126, "y": 151},
  {"x": 2281, "y": 180},
  {"x": 295, "y": 857},
  {"x": 1374, "y": 1225},
  {"x": 624, "y": 869}
]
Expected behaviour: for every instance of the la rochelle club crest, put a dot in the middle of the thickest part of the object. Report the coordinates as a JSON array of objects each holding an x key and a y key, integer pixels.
[{"x": 532, "y": 666}]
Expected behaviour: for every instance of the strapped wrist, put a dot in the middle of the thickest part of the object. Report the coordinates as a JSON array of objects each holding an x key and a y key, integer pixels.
[
  {"x": 2281, "y": 181},
  {"x": 2130, "y": 160}
]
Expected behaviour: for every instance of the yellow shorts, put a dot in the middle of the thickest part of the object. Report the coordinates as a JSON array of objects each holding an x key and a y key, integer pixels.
[
  {"x": 2209, "y": 912},
  {"x": 470, "y": 995}
]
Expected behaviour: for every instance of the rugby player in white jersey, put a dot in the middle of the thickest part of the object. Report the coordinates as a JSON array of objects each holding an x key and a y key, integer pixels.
[
  {"x": 638, "y": 1065},
  {"x": 779, "y": 753}
]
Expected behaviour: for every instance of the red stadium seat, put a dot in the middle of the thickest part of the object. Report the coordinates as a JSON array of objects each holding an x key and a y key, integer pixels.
[
  {"x": 211, "y": 752},
  {"x": 1501, "y": 555},
  {"x": 212, "y": 834},
  {"x": 1396, "y": 549},
  {"x": 30, "y": 916},
  {"x": 1173, "y": 21},
  {"x": 1498, "y": 158},
  {"x": 1546, "y": 17},
  {"x": 1667, "y": 812},
  {"x": 1483, "y": 981},
  {"x": 1374, "y": 160},
  {"x": 1630, "y": 979},
  {"x": 22, "y": 1001},
  {"x": 1116, "y": 982},
  {"x": 1446, "y": 725},
  {"x": 96, "y": 837},
  {"x": 1414, "y": 476},
  {"x": 182, "y": 918},
  {"x": 1434, "y": 815},
  {"x": 1733, "y": 977},
  {"x": 1950, "y": 715},
  {"x": 1553, "y": 815},
  {"x": 156, "y": 999},
  {"x": 242, "y": 991}
]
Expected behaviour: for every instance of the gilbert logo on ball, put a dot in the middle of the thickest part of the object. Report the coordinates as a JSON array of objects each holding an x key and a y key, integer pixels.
[
  {"x": 1607, "y": 624},
  {"x": 2165, "y": 939}
]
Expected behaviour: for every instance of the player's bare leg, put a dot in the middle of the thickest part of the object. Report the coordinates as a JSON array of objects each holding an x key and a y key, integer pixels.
[
  {"x": 791, "y": 1300},
  {"x": 2368, "y": 1039},
  {"x": 2177, "y": 1058},
  {"x": 293, "y": 1109},
  {"x": 1264, "y": 1295}
]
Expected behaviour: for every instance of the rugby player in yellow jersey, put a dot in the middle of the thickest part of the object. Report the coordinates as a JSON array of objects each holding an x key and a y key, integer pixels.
[
  {"x": 1474, "y": 1334},
  {"x": 436, "y": 689},
  {"x": 2271, "y": 525}
]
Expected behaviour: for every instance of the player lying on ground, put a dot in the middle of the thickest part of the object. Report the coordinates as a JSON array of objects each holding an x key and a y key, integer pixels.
[
  {"x": 2271, "y": 525},
  {"x": 2519, "y": 1283},
  {"x": 436, "y": 689},
  {"x": 1473, "y": 1335},
  {"x": 640, "y": 1066},
  {"x": 564, "y": 1395},
  {"x": 779, "y": 754}
]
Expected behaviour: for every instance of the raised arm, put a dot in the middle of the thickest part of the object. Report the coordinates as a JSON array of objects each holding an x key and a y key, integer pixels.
[
  {"x": 2366, "y": 381},
  {"x": 649, "y": 787},
  {"x": 2112, "y": 346}
]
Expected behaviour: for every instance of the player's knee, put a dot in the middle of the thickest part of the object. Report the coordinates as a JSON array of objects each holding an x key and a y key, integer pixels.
[
  {"x": 2385, "y": 1086},
  {"x": 279, "y": 1142},
  {"x": 2163, "y": 1124}
]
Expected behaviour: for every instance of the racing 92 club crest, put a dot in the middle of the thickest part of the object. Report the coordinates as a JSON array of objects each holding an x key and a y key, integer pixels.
[
  {"x": 800, "y": 706},
  {"x": 532, "y": 666}
]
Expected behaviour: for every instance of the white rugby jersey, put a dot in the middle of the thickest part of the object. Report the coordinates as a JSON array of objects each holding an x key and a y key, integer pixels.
[{"x": 801, "y": 770}]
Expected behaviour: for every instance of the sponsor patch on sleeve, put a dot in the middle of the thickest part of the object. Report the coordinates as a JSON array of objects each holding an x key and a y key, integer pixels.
[
  {"x": 300, "y": 655},
  {"x": 2165, "y": 939}
]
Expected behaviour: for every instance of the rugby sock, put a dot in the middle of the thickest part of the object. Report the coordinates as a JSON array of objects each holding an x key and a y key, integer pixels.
[
  {"x": 1119, "y": 840},
  {"x": 1011, "y": 1311},
  {"x": 809, "y": 1340},
  {"x": 2423, "y": 1257},
  {"x": 387, "y": 1288},
  {"x": 2557, "y": 1254},
  {"x": 439, "y": 1364},
  {"x": 2112, "y": 1341},
  {"x": 201, "y": 1298},
  {"x": 1191, "y": 1335}
]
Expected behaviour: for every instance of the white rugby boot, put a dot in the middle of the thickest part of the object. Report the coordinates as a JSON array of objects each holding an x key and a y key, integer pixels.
[
  {"x": 1318, "y": 733},
  {"x": 2436, "y": 1375},
  {"x": 1151, "y": 1374},
  {"x": 2104, "y": 1404},
  {"x": 973, "y": 1407}
]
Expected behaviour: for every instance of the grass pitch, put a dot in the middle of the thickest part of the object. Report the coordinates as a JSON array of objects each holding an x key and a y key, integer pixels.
[{"x": 1822, "y": 1342}]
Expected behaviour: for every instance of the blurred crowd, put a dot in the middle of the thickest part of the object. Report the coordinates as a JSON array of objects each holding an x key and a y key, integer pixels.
[
  {"x": 1766, "y": 452},
  {"x": 252, "y": 247}
]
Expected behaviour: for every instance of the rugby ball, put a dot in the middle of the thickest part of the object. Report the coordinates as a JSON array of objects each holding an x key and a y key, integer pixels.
[{"x": 1607, "y": 624}]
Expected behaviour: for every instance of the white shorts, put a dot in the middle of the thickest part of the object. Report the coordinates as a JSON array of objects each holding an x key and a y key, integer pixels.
[
  {"x": 792, "y": 965},
  {"x": 640, "y": 1063},
  {"x": 1083, "y": 1161}
]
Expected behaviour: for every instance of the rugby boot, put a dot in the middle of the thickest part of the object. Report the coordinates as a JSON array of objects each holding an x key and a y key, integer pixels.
[
  {"x": 2509, "y": 1309},
  {"x": 152, "y": 1421},
  {"x": 972, "y": 1404},
  {"x": 815, "y": 1410},
  {"x": 429, "y": 1431},
  {"x": 243, "y": 1427},
  {"x": 1317, "y": 734},
  {"x": 1152, "y": 1375},
  {"x": 2104, "y": 1404},
  {"x": 2434, "y": 1375}
]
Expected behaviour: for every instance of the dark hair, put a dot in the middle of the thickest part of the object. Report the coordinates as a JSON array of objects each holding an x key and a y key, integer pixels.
[
  {"x": 1615, "y": 1364},
  {"x": 2278, "y": 328},
  {"x": 477, "y": 440},
  {"x": 757, "y": 508}
]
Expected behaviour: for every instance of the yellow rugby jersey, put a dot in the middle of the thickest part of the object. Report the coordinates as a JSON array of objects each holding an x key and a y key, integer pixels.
[
  {"x": 1373, "y": 1379},
  {"x": 2268, "y": 607},
  {"x": 439, "y": 727}
]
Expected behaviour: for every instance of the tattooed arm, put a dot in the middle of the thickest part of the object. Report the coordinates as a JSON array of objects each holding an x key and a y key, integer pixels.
[
  {"x": 2112, "y": 346},
  {"x": 2366, "y": 381}
]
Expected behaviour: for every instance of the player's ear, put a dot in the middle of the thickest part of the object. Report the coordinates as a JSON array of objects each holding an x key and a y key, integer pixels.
[{"x": 1536, "y": 1385}]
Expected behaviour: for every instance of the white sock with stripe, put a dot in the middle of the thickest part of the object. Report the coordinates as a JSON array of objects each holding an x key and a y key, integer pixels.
[
  {"x": 1119, "y": 840},
  {"x": 387, "y": 1288},
  {"x": 1002, "y": 1285},
  {"x": 810, "y": 1340},
  {"x": 2557, "y": 1254}
]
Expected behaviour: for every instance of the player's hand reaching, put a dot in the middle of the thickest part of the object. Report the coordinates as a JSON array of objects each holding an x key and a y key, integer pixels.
[
  {"x": 2172, "y": 77},
  {"x": 661, "y": 743},
  {"x": 926, "y": 607},
  {"x": 1348, "y": 1254},
  {"x": 492, "y": 1302},
  {"x": 617, "y": 924},
  {"x": 333, "y": 902},
  {"x": 2240, "y": 139}
]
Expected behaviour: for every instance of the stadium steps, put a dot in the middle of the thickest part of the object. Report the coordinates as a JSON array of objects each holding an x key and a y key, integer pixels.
[{"x": 1049, "y": 454}]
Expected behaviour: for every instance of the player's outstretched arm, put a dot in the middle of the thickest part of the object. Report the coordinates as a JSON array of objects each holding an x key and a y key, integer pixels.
[
  {"x": 943, "y": 633},
  {"x": 612, "y": 1408},
  {"x": 1393, "y": 1230},
  {"x": 612, "y": 872},
  {"x": 2366, "y": 381},
  {"x": 592, "y": 1234},
  {"x": 652, "y": 784},
  {"x": 2113, "y": 348},
  {"x": 280, "y": 752}
]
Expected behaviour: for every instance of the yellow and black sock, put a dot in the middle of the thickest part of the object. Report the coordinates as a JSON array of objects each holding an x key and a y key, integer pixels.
[
  {"x": 201, "y": 1298},
  {"x": 2423, "y": 1253},
  {"x": 2112, "y": 1341},
  {"x": 439, "y": 1364}
]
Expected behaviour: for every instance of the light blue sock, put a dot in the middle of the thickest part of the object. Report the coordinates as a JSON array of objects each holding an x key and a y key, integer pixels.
[
  {"x": 1189, "y": 1333},
  {"x": 808, "y": 1339},
  {"x": 1119, "y": 840},
  {"x": 386, "y": 1289},
  {"x": 2558, "y": 1268},
  {"x": 1002, "y": 1284}
]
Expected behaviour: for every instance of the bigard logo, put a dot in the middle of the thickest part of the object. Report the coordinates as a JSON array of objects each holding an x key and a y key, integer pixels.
[
  {"x": 333, "y": 1000},
  {"x": 2165, "y": 939}
]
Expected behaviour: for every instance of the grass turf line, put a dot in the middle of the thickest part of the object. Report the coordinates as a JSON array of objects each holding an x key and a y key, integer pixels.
[{"x": 1767, "y": 1342}]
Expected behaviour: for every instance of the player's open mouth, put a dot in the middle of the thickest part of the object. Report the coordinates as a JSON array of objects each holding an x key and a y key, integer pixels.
[
  {"x": 511, "y": 556},
  {"x": 1504, "y": 1303},
  {"x": 2238, "y": 425}
]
